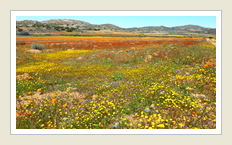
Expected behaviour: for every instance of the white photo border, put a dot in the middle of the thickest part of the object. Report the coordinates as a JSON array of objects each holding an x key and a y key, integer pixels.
[{"x": 217, "y": 131}]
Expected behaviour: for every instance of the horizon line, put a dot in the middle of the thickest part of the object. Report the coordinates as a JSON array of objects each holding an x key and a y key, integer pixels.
[{"x": 119, "y": 26}]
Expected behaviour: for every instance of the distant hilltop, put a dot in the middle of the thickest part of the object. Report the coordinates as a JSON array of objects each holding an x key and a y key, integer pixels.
[{"x": 81, "y": 26}]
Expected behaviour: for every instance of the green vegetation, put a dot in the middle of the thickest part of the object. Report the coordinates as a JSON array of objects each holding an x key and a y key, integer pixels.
[
  {"x": 37, "y": 46},
  {"x": 24, "y": 33}
]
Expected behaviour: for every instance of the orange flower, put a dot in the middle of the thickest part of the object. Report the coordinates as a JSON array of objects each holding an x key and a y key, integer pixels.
[
  {"x": 101, "y": 125},
  {"x": 206, "y": 65},
  {"x": 202, "y": 70},
  {"x": 18, "y": 114},
  {"x": 65, "y": 105},
  {"x": 29, "y": 93},
  {"x": 193, "y": 112},
  {"x": 53, "y": 100},
  {"x": 29, "y": 113},
  {"x": 29, "y": 78}
]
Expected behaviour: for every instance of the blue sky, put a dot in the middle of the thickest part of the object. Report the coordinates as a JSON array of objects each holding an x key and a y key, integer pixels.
[{"x": 135, "y": 21}]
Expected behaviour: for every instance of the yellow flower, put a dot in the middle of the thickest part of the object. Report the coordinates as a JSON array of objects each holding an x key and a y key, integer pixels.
[
  {"x": 53, "y": 94},
  {"x": 181, "y": 124},
  {"x": 195, "y": 128},
  {"x": 169, "y": 75},
  {"x": 160, "y": 125},
  {"x": 38, "y": 90},
  {"x": 178, "y": 76}
]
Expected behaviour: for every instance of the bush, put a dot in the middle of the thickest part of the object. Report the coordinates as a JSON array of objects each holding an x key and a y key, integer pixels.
[
  {"x": 37, "y": 46},
  {"x": 24, "y": 33},
  {"x": 20, "y": 30},
  {"x": 70, "y": 30},
  {"x": 20, "y": 43},
  {"x": 118, "y": 76}
]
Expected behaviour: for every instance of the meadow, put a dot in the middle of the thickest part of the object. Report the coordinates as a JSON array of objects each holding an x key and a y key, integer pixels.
[{"x": 115, "y": 83}]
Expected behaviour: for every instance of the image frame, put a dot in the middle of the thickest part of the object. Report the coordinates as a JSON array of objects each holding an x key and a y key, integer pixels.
[{"x": 218, "y": 130}]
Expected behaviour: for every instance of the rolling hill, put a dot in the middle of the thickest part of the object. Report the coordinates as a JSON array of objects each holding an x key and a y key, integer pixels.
[{"x": 80, "y": 26}]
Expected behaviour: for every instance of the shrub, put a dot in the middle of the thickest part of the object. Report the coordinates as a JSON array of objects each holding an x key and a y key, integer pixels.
[
  {"x": 37, "y": 46},
  {"x": 20, "y": 43},
  {"x": 24, "y": 33},
  {"x": 20, "y": 30},
  {"x": 118, "y": 76},
  {"x": 69, "y": 30}
]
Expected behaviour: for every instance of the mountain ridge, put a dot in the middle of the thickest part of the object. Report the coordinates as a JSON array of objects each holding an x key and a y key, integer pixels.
[{"x": 77, "y": 25}]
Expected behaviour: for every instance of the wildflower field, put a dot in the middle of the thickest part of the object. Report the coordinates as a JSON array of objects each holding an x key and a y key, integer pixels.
[{"x": 115, "y": 83}]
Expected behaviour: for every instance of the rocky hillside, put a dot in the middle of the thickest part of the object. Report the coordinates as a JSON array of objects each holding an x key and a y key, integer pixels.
[
  {"x": 176, "y": 30},
  {"x": 80, "y": 26}
]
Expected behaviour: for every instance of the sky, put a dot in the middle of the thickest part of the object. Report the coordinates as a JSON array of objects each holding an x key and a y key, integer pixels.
[{"x": 135, "y": 21}]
